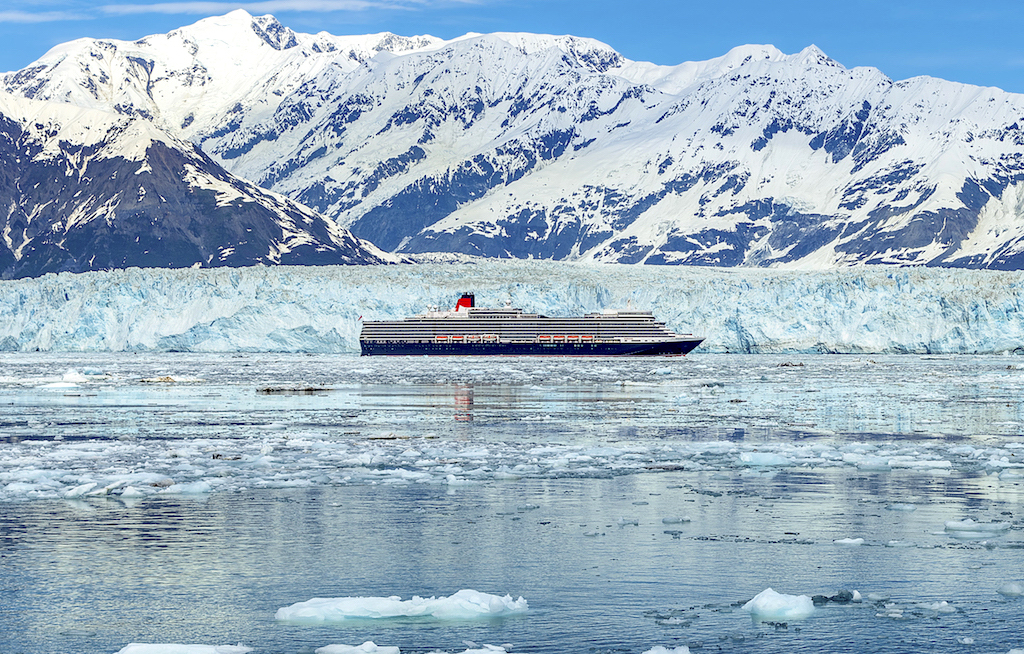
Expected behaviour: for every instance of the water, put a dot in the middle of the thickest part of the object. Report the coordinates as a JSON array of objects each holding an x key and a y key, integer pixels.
[{"x": 259, "y": 481}]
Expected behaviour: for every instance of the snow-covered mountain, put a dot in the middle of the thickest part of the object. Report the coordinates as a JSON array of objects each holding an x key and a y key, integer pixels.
[
  {"x": 534, "y": 146},
  {"x": 85, "y": 189}
]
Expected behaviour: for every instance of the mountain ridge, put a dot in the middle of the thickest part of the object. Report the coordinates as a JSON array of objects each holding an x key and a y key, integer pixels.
[
  {"x": 538, "y": 146},
  {"x": 89, "y": 190}
]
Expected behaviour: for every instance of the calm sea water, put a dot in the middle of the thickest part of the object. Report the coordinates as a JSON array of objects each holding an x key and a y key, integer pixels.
[{"x": 265, "y": 480}]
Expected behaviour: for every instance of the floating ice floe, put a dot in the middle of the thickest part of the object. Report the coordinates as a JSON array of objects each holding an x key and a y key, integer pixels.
[
  {"x": 481, "y": 649},
  {"x": 463, "y": 605},
  {"x": 664, "y": 650},
  {"x": 970, "y": 530},
  {"x": 938, "y": 607},
  {"x": 770, "y": 606},
  {"x": 188, "y": 488},
  {"x": 172, "y": 648},
  {"x": 369, "y": 647},
  {"x": 1011, "y": 589},
  {"x": 75, "y": 377},
  {"x": 764, "y": 459},
  {"x": 849, "y": 542}
]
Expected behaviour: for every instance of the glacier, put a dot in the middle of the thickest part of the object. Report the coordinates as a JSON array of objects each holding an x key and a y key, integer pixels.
[{"x": 320, "y": 309}]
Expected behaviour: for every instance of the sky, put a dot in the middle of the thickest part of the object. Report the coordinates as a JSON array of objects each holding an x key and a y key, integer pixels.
[{"x": 975, "y": 43}]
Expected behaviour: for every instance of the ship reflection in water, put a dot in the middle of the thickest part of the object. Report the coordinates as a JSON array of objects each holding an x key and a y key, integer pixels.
[{"x": 464, "y": 404}]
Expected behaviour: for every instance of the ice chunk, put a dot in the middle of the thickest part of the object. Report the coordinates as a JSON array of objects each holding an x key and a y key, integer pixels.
[
  {"x": 139, "y": 648},
  {"x": 463, "y": 605},
  {"x": 1011, "y": 589},
  {"x": 74, "y": 376},
  {"x": 970, "y": 530},
  {"x": 675, "y": 521},
  {"x": 369, "y": 647},
  {"x": 849, "y": 542},
  {"x": 770, "y": 606},
  {"x": 971, "y": 525},
  {"x": 763, "y": 459},
  {"x": 190, "y": 488},
  {"x": 664, "y": 650},
  {"x": 80, "y": 491}
]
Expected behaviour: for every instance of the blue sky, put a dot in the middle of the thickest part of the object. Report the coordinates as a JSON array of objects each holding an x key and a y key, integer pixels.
[{"x": 976, "y": 43}]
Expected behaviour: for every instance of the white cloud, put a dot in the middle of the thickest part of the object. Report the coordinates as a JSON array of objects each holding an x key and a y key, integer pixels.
[
  {"x": 263, "y": 6},
  {"x": 17, "y": 16}
]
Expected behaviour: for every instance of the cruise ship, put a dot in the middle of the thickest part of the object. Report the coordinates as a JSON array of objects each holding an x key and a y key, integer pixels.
[{"x": 472, "y": 330}]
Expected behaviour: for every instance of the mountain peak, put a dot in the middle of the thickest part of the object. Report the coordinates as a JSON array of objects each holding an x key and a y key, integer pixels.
[{"x": 812, "y": 54}]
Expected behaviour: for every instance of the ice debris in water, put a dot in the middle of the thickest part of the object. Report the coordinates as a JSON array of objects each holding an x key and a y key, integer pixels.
[
  {"x": 482, "y": 649},
  {"x": 675, "y": 521},
  {"x": 369, "y": 647},
  {"x": 171, "y": 648},
  {"x": 770, "y": 606},
  {"x": 1011, "y": 589},
  {"x": 664, "y": 650},
  {"x": 463, "y": 605},
  {"x": 902, "y": 507},
  {"x": 896, "y": 612}
]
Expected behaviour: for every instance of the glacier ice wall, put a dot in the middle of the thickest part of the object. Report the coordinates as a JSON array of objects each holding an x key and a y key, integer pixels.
[{"x": 318, "y": 309}]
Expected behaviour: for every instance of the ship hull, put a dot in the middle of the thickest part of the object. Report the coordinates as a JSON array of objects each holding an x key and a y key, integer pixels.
[{"x": 399, "y": 348}]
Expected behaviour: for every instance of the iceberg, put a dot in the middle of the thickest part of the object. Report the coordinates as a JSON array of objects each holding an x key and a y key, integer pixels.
[
  {"x": 320, "y": 308},
  {"x": 463, "y": 605}
]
